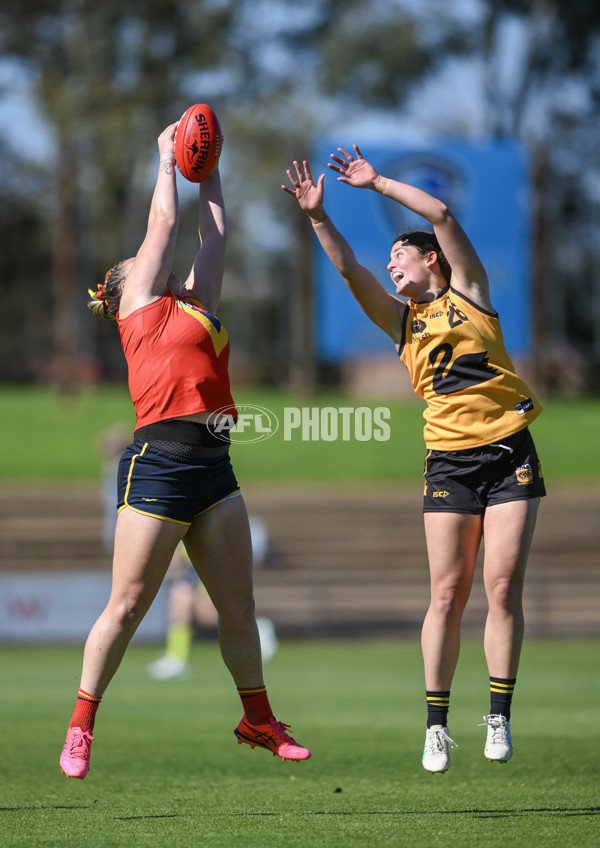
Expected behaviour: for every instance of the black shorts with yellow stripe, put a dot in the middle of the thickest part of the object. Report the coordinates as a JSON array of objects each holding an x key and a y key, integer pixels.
[
  {"x": 175, "y": 480},
  {"x": 470, "y": 480}
]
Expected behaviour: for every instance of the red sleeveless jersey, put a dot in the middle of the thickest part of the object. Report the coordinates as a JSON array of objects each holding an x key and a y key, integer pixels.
[{"x": 177, "y": 358}]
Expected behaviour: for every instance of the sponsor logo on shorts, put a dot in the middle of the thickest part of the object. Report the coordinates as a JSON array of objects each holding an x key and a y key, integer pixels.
[
  {"x": 524, "y": 475},
  {"x": 442, "y": 494}
]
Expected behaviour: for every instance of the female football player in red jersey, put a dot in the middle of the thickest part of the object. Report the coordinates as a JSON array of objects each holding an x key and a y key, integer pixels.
[
  {"x": 482, "y": 474},
  {"x": 175, "y": 481}
]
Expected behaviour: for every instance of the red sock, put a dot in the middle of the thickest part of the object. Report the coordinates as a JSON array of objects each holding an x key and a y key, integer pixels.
[
  {"x": 256, "y": 705},
  {"x": 85, "y": 710}
]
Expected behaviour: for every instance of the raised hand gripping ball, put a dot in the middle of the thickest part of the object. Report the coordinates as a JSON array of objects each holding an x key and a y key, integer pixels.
[{"x": 198, "y": 142}]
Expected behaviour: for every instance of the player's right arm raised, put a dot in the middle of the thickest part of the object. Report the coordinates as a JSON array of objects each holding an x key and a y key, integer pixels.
[{"x": 383, "y": 309}]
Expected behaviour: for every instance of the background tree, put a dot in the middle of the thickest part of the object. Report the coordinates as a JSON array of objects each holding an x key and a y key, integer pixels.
[
  {"x": 531, "y": 71},
  {"x": 107, "y": 77},
  {"x": 26, "y": 313}
]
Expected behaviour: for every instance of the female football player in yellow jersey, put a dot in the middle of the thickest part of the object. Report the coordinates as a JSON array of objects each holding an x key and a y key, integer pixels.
[{"x": 482, "y": 474}]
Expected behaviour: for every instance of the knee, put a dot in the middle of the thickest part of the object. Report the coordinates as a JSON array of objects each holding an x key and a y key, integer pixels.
[
  {"x": 129, "y": 608},
  {"x": 504, "y": 594},
  {"x": 237, "y": 606},
  {"x": 446, "y": 600}
]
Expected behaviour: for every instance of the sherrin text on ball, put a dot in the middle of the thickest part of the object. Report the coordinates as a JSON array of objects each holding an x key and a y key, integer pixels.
[{"x": 198, "y": 142}]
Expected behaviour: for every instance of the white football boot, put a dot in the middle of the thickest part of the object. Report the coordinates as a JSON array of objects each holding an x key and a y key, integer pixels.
[
  {"x": 498, "y": 745},
  {"x": 436, "y": 754}
]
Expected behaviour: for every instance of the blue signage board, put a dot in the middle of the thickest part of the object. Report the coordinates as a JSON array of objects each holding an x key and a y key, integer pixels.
[{"x": 487, "y": 188}]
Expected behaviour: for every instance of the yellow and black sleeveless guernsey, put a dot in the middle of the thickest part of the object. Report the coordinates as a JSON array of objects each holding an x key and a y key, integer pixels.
[{"x": 455, "y": 354}]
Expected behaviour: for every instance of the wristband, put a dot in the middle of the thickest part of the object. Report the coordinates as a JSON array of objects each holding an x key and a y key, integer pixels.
[{"x": 165, "y": 156}]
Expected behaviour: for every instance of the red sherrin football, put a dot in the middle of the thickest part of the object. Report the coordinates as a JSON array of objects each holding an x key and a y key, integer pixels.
[{"x": 198, "y": 142}]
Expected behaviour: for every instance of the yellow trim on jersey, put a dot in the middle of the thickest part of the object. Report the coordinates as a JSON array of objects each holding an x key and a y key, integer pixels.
[{"x": 218, "y": 337}]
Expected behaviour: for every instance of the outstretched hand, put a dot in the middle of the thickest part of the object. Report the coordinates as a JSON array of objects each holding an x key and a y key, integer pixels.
[
  {"x": 354, "y": 169},
  {"x": 308, "y": 194}
]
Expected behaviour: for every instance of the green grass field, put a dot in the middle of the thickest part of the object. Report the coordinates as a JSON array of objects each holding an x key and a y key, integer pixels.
[
  {"x": 166, "y": 770},
  {"x": 48, "y": 438}
]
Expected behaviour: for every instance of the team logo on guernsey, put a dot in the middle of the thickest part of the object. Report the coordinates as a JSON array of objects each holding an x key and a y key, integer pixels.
[
  {"x": 418, "y": 326},
  {"x": 524, "y": 475}
]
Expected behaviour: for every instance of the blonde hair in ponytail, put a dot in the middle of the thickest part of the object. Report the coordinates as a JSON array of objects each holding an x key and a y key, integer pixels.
[
  {"x": 105, "y": 301},
  {"x": 98, "y": 307}
]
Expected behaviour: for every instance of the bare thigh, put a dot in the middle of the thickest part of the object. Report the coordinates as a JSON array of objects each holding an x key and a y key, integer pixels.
[
  {"x": 144, "y": 547},
  {"x": 452, "y": 544},
  {"x": 508, "y": 532},
  {"x": 219, "y": 546}
]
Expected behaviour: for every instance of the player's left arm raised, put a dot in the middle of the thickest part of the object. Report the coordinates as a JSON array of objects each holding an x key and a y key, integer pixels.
[
  {"x": 468, "y": 274},
  {"x": 206, "y": 277}
]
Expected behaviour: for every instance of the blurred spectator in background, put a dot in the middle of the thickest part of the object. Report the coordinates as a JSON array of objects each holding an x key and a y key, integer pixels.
[{"x": 189, "y": 607}]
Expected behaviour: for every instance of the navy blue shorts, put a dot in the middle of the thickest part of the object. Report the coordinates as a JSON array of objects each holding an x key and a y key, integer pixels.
[
  {"x": 471, "y": 480},
  {"x": 166, "y": 485}
]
